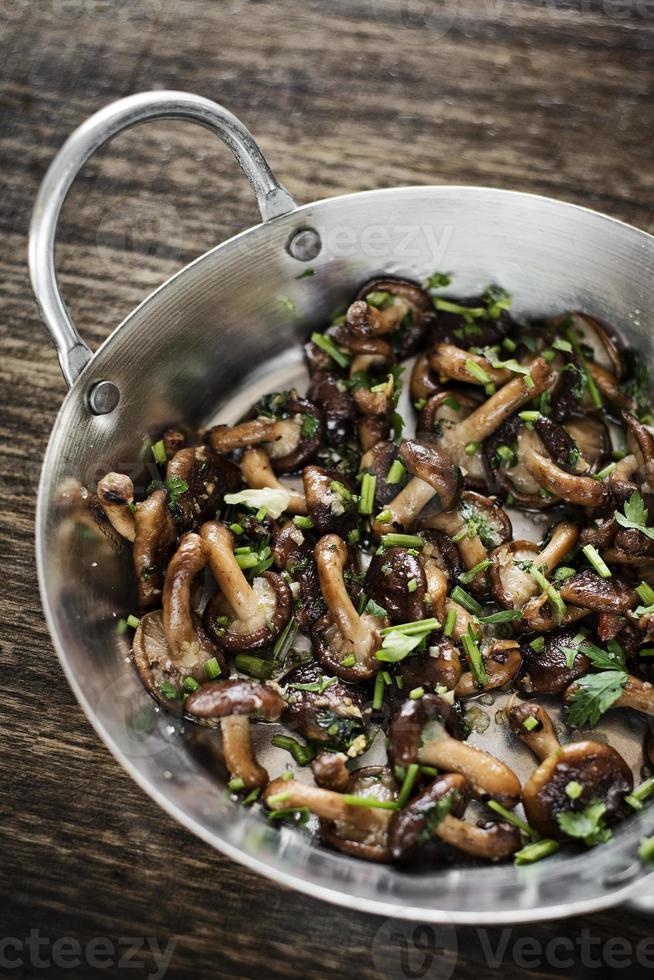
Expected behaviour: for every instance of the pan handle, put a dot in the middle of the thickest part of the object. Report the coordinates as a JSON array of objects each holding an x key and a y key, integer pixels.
[{"x": 272, "y": 198}]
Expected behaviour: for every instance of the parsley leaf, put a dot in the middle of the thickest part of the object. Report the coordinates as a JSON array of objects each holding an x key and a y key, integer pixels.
[
  {"x": 438, "y": 280},
  {"x": 612, "y": 658},
  {"x": 593, "y": 694},
  {"x": 587, "y": 825},
  {"x": 310, "y": 426},
  {"x": 174, "y": 486},
  {"x": 635, "y": 515}
]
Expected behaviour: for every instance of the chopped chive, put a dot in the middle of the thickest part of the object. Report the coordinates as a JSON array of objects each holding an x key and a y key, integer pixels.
[
  {"x": 367, "y": 498},
  {"x": 462, "y": 598},
  {"x": 646, "y": 850},
  {"x": 535, "y": 852},
  {"x": 412, "y": 585},
  {"x": 252, "y": 796},
  {"x": 468, "y": 312},
  {"x": 260, "y": 514},
  {"x": 646, "y": 652},
  {"x": 159, "y": 452},
  {"x": 557, "y": 603},
  {"x": 538, "y": 644},
  {"x": 253, "y": 666},
  {"x": 279, "y": 797},
  {"x": 243, "y": 549},
  {"x": 530, "y": 723},
  {"x": 573, "y": 789},
  {"x": 635, "y": 799},
  {"x": 341, "y": 490},
  {"x": 529, "y": 416},
  {"x": 349, "y": 660},
  {"x": 396, "y": 472},
  {"x": 190, "y": 684},
  {"x": 412, "y": 629},
  {"x": 133, "y": 621},
  {"x": 286, "y": 639},
  {"x": 606, "y": 471},
  {"x": 378, "y": 693},
  {"x": 386, "y": 676},
  {"x": 353, "y": 536},
  {"x": 303, "y": 522},
  {"x": 529, "y": 381},
  {"x": 247, "y": 561},
  {"x": 475, "y": 658},
  {"x": 472, "y": 573},
  {"x": 385, "y": 517},
  {"x": 416, "y": 693},
  {"x": 212, "y": 668},
  {"x": 509, "y": 345},
  {"x": 407, "y": 785},
  {"x": 379, "y": 298},
  {"x": 511, "y": 818},
  {"x": 471, "y": 448},
  {"x": 236, "y": 529},
  {"x": 327, "y": 344},
  {"x": 593, "y": 392},
  {"x": 368, "y": 801},
  {"x": 450, "y": 622},
  {"x": 548, "y": 356},
  {"x": 236, "y": 784},
  {"x": 478, "y": 373},
  {"x": 596, "y": 560},
  {"x": 402, "y": 540},
  {"x": 168, "y": 690},
  {"x": 302, "y": 754},
  {"x": 504, "y": 616}
]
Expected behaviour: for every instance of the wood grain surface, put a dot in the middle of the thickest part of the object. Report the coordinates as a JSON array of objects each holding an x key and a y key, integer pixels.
[{"x": 552, "y": 97}]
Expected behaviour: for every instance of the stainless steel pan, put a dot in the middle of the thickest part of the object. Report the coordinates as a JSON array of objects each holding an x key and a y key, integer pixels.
[{"x": 200, "y": 347}]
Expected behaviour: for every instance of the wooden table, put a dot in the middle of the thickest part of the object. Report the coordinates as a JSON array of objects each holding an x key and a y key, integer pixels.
[{"x": 343, "y": 95}]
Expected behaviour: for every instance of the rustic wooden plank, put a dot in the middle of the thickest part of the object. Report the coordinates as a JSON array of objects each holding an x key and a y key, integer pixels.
[{"x": 541, "y": 96}]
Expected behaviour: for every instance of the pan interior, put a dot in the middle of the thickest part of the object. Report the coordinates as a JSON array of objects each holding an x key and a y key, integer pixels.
[{"x": 202, "y": 349}]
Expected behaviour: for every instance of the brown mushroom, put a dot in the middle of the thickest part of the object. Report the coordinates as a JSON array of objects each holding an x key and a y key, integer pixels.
[
  {"x": 207, "y": 476},
  {"x": 324, "y": 709},
  {"x": 330, "y": 771},
  {"x": 233, "y": 703},
  {"x": 116, "y": 497},
  {"x": 436, "y": 812},
  {"x": 155, "y": 534},
  {"x": 293, "y": 554},
  {"x": 590, "y": 590},
  {"x": 345, "y": 633},
  {"x": 422, "y": 385},
  {"x": 290, "y": 436},
  {"x": 512, "y": 585},
  {"x": 406, "y": 311},
  {"x": 371, "y": 430},
  {"x": 550, "y": 670},
  {"x": 574, "y": 488},
  {"x": 334, "y": 398},
  {"x": 396, "y": 581},
  {"x": 640, "y": 443},
  {"x": 256, "y": 613},
  {"x": 445, "y": 409},
  {"x": 458, "y": 364},
  {"x": 434, "y": 476},
  {"x": 330, "y": 501},
  {"x": 637, "y": 694},
  {"x": 378, "y": 461},
  {"x": 502, "y": 661},
  {"x": 258, "y": 474},
  {"x": 438, "y": 667},
  {"x": 599, "y": 770},
  {"x": 419, "y": 733},
  {"x": 369, "y": 842}
]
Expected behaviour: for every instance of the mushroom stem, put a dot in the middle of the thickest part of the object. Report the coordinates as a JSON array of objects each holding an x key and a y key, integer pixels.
[
  {"x": 564, "y": 538},
  {"x": 116, "y": 495},
  {"x": 189, "y": 559},
  {"x": 637, "y": 694},
  {"x": 331, "y": 557},
  {"x": 496, "y": 409},
  {"x": 252, "y": 433},
  {"x": 493, "y": 841},
  {"x": 585, "y": 491},
  {"x": 239, "y": 754},
  {"x": 227, "y": 572},
  {"x": 259, "y": 475},
  {"x": 487, "y": 775},
  {"x": 291, "y": 795},
  {"x": 453, "y": 362},
  {"x": 542, "y": 739}
]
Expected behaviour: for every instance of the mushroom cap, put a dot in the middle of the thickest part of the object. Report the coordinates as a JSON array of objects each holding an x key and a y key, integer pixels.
[
  {"x": 333, "y": 716},
  {"x": 502, "y": 661},
  {"x": 438, "y": 666},
  {"x": 219, "y": 699},
  {"x": 600, "y": 771},
  {"x": 547, "y": 671},
  {"x": 414, "y": 315},
  {"x": 434, "y": 467},
  {"x": 331, "y": 512},
  {"x": 640, "y": 442},
  {"x": 209, "y": 477},
  {"x": 335, "y": 401},
  {"x": 513, "y": 478},
  {"x": 369, "y": 843},
  {"x": 115, "y": 496},
  {"x": 589, "y": 590},
  {"x": 423, "y": 382},
  {"x": 387, "y": 583},
  {"x": 330, "y": 771},
  {"x": 410, "y": 826},
  {"x": 156, "y": 665},
  {"x": 410, "y": 718},
  {"x": 440, "y": 549},
  {"x": 273, "y": 591},
  {"x": 444, "y": 409},
  {"x": 293, "y": 553},
  {"x": 372, "y": 429},
  {"x": 511, "y": 586}
]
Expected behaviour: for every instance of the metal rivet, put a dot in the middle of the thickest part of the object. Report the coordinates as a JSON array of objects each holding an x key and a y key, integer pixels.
[
  {"x": 103, "y": 397},
  {"x": 304, "y": 244}
]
